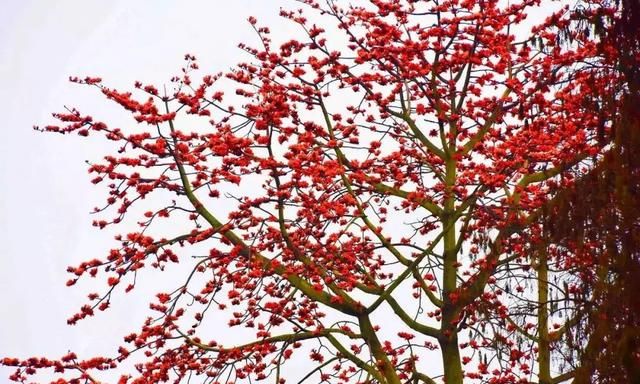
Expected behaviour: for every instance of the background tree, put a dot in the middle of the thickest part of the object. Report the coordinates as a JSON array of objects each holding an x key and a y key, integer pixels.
[
  {"x": 598, "y": 217},
  {"x": 370, "y": 193}
]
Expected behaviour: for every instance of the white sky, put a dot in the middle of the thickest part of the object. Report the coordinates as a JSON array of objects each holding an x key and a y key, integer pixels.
[{"x": 45, "y": 194}]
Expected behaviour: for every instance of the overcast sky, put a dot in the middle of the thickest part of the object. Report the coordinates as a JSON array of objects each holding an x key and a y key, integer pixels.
[{"x": 45, "y": 194}]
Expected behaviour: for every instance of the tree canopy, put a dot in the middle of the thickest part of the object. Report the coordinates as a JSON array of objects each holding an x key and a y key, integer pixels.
[{"x": 405, "y": 192}]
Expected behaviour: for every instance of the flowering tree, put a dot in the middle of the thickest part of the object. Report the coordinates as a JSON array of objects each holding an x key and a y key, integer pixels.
[{"x": 369, "y": 192}]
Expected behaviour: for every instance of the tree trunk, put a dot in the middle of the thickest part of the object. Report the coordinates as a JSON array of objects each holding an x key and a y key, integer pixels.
[{"x": 451, "y": 360}]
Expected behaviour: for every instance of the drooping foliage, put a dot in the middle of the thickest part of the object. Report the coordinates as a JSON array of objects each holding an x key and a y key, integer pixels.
[{"x": 602, "y": 212}]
